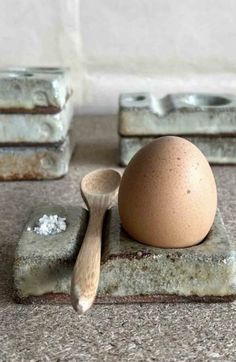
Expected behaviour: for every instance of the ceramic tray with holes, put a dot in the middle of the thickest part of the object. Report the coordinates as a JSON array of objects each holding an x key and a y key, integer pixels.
[
  {"x": 130, "y": 271},
  {"x": 207, "y": 120},
  {"x": 34, "y": 89}
]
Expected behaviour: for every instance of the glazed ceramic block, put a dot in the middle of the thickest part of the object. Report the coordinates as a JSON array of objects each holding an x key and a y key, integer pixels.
[
  {"x": 131, "y": 268},
  {"x": 209, "y": 121},
  {"x": 34, "y": 90},
  {"x": 43, "y": 263},
  {"x": 217, "y": 149},
  {"x": 141, "y": 114},
  {"x": 130, "y": 271},
  {"x": 36, "y": 162},
  {"x": 35, "y": 128}
]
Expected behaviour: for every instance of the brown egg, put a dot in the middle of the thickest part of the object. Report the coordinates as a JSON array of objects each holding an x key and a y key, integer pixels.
[{"x": 168, "y": 195}]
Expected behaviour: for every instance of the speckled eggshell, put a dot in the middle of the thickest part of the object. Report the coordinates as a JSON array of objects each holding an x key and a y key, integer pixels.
[{"x": 168, "y": 195}]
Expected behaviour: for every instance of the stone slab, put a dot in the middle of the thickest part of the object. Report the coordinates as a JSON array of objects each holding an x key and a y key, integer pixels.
[
  {"x": 35, "y": 128},
  {"x": 43, "y": 263},
  {"x": 34, "y": 89},
  {"x": 36, "y": 162},
  {"x": 217, "y": 149},
  {"x": 130, "y": 271},
  {"x": 131, "y": 268},
  {"x": 141, "y": 114}
]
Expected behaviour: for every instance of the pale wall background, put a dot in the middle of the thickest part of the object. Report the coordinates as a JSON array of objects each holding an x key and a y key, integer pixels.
[{"x": 115, "y": 46}]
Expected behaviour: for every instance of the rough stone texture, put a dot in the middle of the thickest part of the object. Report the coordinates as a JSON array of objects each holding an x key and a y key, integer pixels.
[
  {"x": 40, "y": 90},
  {"x": 44, "y": 264},
  {"x": 35, "y": 128},
  {"x": 131, "y": 268},
  {"x": 36, "y": 162},
  {"x": 141, "y": 114},
  {"x": 217, "y": 149},
  {"x": 129, "y": 332}
]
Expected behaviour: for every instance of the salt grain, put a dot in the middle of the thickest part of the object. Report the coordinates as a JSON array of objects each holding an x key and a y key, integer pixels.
[{"x": 50, "y": 225}]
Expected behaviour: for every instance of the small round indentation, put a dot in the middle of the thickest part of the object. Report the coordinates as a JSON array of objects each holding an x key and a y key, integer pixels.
[
  {"x": 49, "y": 70},
  {"x": 27, "y": 74},
  {"x": 203, "y": 100},
  {"x": 138, "y": 98},
  {"x": 18, "y": 73},
  {"x": 46, "y": 130},
  {"x": 47, "y": 162},
  {"x": 40, "y": 98}
]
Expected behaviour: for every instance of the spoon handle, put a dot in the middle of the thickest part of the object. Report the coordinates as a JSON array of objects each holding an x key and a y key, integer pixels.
[{"x": 86, "y": 272}]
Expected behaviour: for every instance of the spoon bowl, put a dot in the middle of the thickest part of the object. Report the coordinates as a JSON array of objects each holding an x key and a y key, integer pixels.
[{"x": 104, "y": 182}]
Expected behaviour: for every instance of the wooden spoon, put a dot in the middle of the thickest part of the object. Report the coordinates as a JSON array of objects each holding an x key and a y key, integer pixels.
[{"x": 99, "y": 189}]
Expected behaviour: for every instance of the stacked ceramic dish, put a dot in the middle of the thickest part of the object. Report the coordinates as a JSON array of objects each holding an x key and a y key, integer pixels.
[
  {"x": 209, "y": 121},
  {"x": 35, "y": 122}
]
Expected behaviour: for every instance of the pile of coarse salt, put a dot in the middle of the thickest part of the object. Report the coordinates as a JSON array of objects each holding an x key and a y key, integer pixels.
[{"x": 50, "y": 225}]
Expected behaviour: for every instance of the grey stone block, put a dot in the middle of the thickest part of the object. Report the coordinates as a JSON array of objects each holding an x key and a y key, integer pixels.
[
  {"x": 36, "y": 162},
  {"x": 131, "y": 268},
  {"x": 217, "y": 149},
  {"x": 43, "y": 263},
  {"x": 130, "y": 271},
  {"x": 40, "y": 90},
  {"x": 35, "y": 128},
  {"x": 141, "y": 114}
]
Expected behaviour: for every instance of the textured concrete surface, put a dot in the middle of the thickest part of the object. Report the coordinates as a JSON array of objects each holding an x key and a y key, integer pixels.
[
  {"x": 207, "y": 120},
  {"x": 48, "y": 161},
  {"x": 218, "y": 150},
  {"x": 35, "y": 128},
  {"x": 142, "y": 114},
  {"x": 44, "y": 264},
  {"x": 147, "y": 332},
  {"x": 34, "y": 89},
  {"x": 131, "y": 268}
]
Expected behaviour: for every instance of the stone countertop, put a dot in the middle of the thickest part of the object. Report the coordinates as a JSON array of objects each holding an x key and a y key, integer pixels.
[{"x": 138, "y": 332}]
